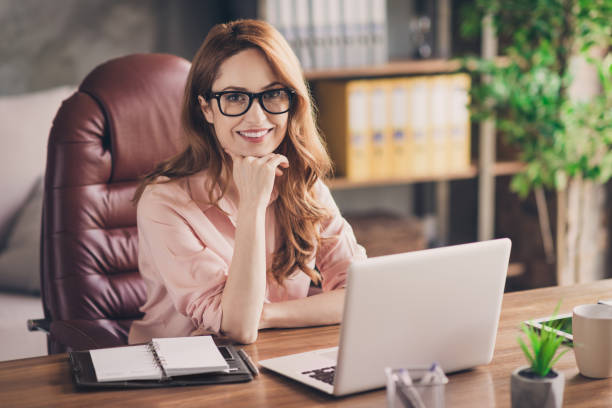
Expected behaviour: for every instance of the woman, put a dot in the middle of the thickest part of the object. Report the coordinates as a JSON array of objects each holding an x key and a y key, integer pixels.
[{"x": 233, "y": 230}]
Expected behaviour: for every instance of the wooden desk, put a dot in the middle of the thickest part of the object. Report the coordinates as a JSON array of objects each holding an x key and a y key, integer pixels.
[{"x": 46, "y": 381}]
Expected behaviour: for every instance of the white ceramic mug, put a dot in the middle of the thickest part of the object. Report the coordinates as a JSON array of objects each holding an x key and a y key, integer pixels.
[{"x": 592, "y": 330}]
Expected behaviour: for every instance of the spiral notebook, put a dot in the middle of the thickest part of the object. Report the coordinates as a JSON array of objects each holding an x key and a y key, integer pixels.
[
  {"x": 159, "y": 359},
  {"x": 161, "y": 363}
]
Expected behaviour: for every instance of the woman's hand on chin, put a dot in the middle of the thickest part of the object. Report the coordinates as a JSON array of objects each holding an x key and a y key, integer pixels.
[{"x": 254, "y": 176}]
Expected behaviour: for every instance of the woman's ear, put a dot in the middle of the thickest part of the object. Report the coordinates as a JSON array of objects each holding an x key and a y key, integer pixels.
[{"x": 206, "y": 109}]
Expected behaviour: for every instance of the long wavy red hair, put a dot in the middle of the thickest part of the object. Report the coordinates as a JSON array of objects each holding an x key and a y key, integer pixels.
[{"x": 298, "y": 212}]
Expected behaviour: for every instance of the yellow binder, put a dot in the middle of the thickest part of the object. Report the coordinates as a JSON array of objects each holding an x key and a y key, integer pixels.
[
  {"x": 439, "y": 116},
  {"x": 419, "y": 125},
  {"x": 379, "y": 130},
  {"x": 343, "y": 120},
  {"x": 401, "y": 142},
  {"x": 459, "y": 122}
]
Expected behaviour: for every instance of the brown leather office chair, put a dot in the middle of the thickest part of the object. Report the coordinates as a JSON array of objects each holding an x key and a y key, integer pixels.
[{"x": 121, "y": 122}]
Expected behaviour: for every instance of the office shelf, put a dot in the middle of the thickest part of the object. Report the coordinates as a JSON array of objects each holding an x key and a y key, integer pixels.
[
  {"x": 485, "y": 168},
  {"x": 340, "y": 183},
  {"x": 393, "y": 68},
  {"x": 505, "y": 168},
  {"x": 410, "y": 67}
]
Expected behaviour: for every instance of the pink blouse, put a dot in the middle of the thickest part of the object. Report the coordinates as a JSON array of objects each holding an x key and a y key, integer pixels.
[{"x": 185, "y": 248}]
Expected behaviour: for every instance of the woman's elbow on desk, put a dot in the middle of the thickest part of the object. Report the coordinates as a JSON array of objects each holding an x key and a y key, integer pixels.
[
  {"x": 241, "y": 336},
  {"x": 246, "y": 338},
  {"x": 239, "y": 328}
]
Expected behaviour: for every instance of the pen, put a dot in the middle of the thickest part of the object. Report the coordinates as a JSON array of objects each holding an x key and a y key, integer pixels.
[
  {"x": 245, "y": 357},
  {"x": 429, "y": 376},
  {"x": 407, "y": 393}
]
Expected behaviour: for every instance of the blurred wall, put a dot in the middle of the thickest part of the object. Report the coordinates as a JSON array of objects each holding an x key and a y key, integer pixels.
[{"x": 49, "y": 43}]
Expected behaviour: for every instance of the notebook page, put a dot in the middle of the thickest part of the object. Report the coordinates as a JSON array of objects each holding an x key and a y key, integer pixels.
[
  {"x": 189, "y": 355},
  {"x": 125, "y": 363}
]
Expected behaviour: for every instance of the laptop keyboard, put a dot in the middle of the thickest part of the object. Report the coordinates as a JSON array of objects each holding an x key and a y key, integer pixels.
[{"x": 322, "y": 374}]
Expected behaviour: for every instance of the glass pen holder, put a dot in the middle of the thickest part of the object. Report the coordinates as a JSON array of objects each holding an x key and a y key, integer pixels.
[{"x": 415, "y": 387}]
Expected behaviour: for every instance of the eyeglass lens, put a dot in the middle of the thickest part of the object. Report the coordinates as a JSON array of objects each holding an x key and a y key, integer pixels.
[{"x": 237, "y": 103}]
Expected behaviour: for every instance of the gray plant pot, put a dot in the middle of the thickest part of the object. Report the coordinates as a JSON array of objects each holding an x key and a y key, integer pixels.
[{"x": 537, "y": 392}]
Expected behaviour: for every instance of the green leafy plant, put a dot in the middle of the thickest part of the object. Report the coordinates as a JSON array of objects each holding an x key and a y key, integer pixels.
[
  {"x": 544, "y": 346},
  {"x": 529, "y": 94},
  {"x": 535, "y": 96}
]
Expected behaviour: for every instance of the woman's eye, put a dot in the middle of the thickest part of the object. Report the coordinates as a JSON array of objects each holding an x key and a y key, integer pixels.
[
  {"x": 273, "y": 94},
  {"x": 235, "y": 98}
]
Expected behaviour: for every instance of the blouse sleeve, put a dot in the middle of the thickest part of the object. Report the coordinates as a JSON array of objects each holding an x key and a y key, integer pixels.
[
  {"x": 338, "y": 244},
  {"x": 193, "y": 275}
]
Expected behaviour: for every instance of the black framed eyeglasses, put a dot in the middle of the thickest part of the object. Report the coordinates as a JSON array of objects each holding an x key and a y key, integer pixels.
[{"x": 236, "y": 103}]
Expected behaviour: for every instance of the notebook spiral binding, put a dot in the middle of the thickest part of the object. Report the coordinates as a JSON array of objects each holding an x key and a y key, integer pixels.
[{"x": 159, "y": 361}]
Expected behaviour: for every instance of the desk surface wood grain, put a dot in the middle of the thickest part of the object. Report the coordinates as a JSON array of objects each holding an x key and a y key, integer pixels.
[{"x": 46, "y": 381}]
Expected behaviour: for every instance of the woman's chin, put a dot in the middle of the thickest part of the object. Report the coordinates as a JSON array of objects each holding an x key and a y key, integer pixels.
[{"x": 260, "y": 151}]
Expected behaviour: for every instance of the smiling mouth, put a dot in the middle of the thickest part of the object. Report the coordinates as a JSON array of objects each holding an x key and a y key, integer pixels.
[{"x": 254, "y": 135}]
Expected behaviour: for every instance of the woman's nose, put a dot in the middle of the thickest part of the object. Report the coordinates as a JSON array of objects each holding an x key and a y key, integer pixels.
[{"x": 256, "y": 111}]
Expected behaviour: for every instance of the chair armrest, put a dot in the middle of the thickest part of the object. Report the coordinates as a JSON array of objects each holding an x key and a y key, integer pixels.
[
  {"x": 81, "y": 334},
  {"x": 39, "y": 325}
]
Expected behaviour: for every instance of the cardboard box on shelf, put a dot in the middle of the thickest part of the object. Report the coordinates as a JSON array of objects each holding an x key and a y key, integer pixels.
[{"x": 385, "y": 233}]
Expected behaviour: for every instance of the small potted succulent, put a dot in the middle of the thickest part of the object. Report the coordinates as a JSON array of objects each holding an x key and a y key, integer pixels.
[{"x": 538, "y": 385}]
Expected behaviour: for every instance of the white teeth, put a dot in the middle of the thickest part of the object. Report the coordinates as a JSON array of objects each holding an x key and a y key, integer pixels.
[{"x": 253, "y": 134}]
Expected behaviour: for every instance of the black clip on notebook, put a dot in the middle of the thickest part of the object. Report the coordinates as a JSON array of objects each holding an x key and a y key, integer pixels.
[{"x": 241, "y": 369}]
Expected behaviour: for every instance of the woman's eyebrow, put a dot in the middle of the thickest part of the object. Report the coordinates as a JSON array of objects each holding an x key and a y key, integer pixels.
[
  {"x": 273, "y": 84},
  {"x": 239, "y": 88}
]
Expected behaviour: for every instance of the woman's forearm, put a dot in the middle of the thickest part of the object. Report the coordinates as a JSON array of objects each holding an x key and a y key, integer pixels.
[
  {"x": 322, "y": 309},
  {"x": 245, "y": 288}
]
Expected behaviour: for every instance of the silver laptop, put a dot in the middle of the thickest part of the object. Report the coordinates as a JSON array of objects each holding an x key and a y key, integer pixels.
[{"x": 412, "y": 309}]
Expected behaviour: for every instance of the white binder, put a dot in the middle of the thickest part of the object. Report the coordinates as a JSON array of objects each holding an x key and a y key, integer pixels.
[
  {"x": 336, "y": 34},
  {"x": 321, "y": 34},
  {"x": 303, "y": 41},
  {"x": 285, "y": 22},
  {"x": 378, "y": 32}
]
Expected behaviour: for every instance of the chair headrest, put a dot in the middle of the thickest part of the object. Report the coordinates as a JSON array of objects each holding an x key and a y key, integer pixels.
[{"x": 141, "y": 97}]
